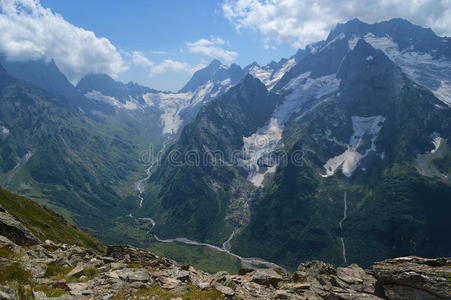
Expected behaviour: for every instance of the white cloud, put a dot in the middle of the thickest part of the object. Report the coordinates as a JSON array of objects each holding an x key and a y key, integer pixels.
[
  {"x": 140, "y": 60},
  {"x": 212, "y": 48},
  {"x": 159, "y": 52},
  {"x": 303, "y": 22},
  {"x": 169, "y": 65},
  {"x": 29, "y": 31}
]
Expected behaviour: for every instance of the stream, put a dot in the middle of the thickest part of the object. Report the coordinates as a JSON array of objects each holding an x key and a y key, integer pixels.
[{"x": 340, "y": 224}]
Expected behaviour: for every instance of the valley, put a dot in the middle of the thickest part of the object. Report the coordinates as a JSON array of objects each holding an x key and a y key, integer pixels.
[{"x": 338, "y": 153}]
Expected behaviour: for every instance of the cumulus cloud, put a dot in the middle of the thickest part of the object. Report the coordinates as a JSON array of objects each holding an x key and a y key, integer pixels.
[
  {"x": 29, "y": 31},
  {"x": 212, "y": 48},
  {"x": 140, "y": 60},
  {"x": 169, "y": 65},
  {"x": 303, "y": 22}
]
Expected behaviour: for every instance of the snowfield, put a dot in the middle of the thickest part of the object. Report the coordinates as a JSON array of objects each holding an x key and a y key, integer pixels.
[
  {"x": 271, "y": 77},
  {"x": 434, "y": 74},
  {"x": 364, "y": 128},
  {"x": 265, "y": 140}
]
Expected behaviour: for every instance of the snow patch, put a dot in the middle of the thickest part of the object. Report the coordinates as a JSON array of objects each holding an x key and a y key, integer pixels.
[
  {"x": 260, "y": 73},
  {"x": 265, "y": 140},
  {"x": 4, "y": 130},
  {"x": 364, "y": 128},
  {"x": 279, "y": 74},
  {"x": 437, "y": 141},
  {"x": 369, "y": 58},
  {"x": 305, "y": 87},
  {"x": 148, "y": 99},
  {"x": 352, "y": 42},
  {"x": 434, "y": 74},
  {"x": 337, "y": 38},
  {"x": 98, "y": 96},
  {"x": 172, "y": 104},
  {"x": 270, "y": 77}
]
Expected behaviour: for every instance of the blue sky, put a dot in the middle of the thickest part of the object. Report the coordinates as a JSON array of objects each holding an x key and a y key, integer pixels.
[
  {"x": 159, "y": 29},
  {"x": 160, "y": 43}
]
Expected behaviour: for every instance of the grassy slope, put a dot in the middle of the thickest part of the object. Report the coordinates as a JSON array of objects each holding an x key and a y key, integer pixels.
[{"x": 46, "y": 224}]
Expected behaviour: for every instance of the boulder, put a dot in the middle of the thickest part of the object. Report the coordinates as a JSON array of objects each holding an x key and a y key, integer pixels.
[
  {"x": 357, "y": 278},
  {"x": 408, "y": 277},
  {"x": 15, "y": 231},
  {"x": 225, "y": 290},
  {"x": 37, "y": 269},
  {"x": 77, "y": 271},
  {"x": 130, "y": 254},
  {"x": 79, "y": 288},
  {"x": 131, "y": 274},
  {"x": 265, "y": 277},
  {"x": 169, "y": 283}
]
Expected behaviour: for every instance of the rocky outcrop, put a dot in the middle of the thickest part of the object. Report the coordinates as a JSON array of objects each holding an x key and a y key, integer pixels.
[
  {"x": 15, "y": 231},
  {"x": 125, "y": 272},
  {"x": 415, "y": 278}
]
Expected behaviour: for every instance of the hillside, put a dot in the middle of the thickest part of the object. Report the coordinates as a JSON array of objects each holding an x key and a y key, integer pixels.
[{"x": 45, "y": 224}]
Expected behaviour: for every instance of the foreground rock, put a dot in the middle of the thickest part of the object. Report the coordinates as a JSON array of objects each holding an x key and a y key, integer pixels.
[
  {"x": 15, "y": 231},
  {"x": 415, "y": 278},
  {"x": 41, "y": 270}
]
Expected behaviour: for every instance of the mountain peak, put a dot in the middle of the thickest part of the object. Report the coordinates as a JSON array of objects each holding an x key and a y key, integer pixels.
[
  {"x": 214, "y": 71},
  {"x": 215, "y": 64}
]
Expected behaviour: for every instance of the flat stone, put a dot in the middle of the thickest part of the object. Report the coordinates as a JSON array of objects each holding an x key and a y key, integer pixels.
[
  {"x": 107, "y": 259},
  {"x": 115, "y": 266},
  {"x": 203, "y": 285},
  {"x": 133, "y": 274},
  {"x": 225, "y": 290},
  {"x": 77, "y": 271},
  {"x": 351, "y": 274},
  {"x": 181, "y": 275},
  {"x": 79, "y": 288},
  {"x": 169, "y": 283},
  {"x": 112, "y": 274},
  {"x": 265, "y": 277}
]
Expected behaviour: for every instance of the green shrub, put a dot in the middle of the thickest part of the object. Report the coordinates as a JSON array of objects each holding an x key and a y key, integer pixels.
[
  {"x": 57, "y": 271},
  {"x": 90, "y": 272},
  {"x": 14, "y": 273}
]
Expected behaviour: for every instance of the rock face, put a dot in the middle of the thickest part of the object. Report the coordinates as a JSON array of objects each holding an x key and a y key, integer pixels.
[
  {"x": 15, "y": 231},
  {"x": 127, "y": 272},
  {"x": 415, "y": 278}
]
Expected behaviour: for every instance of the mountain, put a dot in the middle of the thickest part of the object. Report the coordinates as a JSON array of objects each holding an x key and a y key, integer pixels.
[
  {"x": 54, "y": 152},
  {"x": 48, "y": 77},
  {"x": 274, "y": 71},
  {"x": 422, "y": 55},
  {"x": 215, "y": 72},
  {"x": 350, "y": 163},
  {"x": 102, "y": 87},
  {"x": 81, "y": 149},
  {"x": 196, "y": 178},
  {"x": 174, "y": 109}
]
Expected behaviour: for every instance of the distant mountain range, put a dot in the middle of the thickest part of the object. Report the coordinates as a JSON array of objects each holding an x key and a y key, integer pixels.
[
  {"x": 339, "y": 153},
  {"x": 362, "y": 122}
]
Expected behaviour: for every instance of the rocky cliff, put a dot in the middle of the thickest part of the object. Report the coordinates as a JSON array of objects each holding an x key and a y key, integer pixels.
[{"x": 31, "y": 269}]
